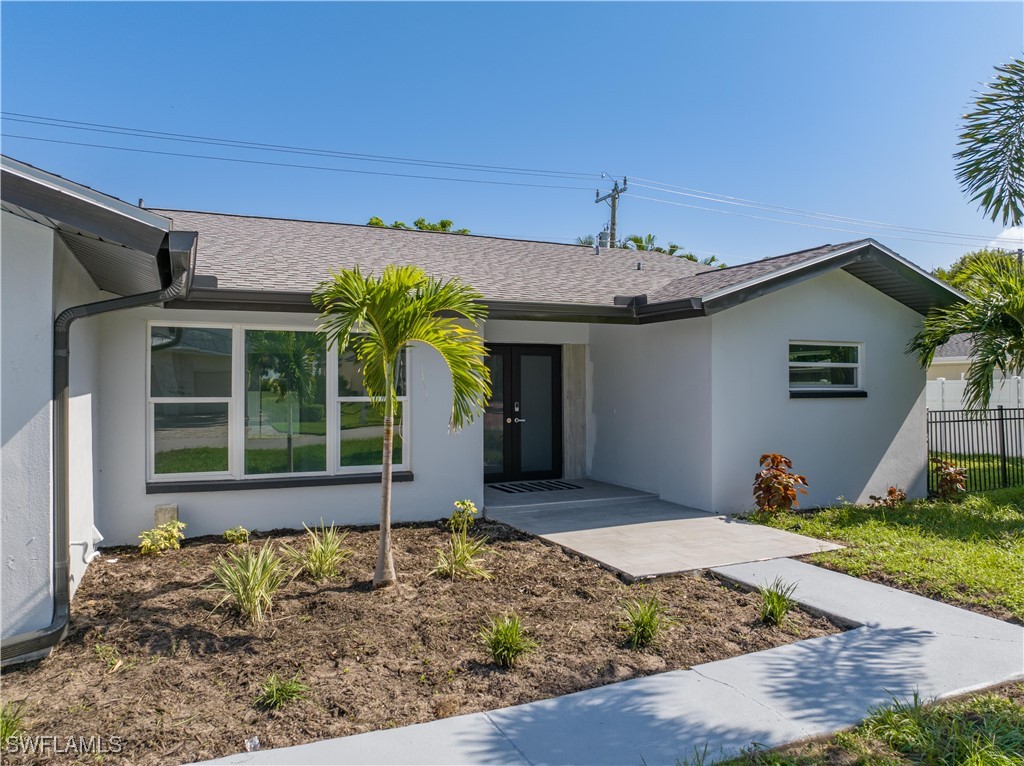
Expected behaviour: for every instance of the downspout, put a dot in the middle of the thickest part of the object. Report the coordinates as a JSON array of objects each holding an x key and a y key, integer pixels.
[{"x": 177, "y": 255}]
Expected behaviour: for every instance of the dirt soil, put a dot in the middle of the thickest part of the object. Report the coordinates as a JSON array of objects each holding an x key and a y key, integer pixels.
[{"x": 149, "y": 660}]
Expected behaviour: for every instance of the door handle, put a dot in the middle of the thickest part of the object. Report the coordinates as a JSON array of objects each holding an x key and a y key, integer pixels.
[{"x": 520, "y": 420}]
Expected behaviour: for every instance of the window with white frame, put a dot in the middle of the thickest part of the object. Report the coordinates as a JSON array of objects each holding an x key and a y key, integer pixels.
[
  {"x": 232, "y": 402},
  {"x": 361, "y": 426},
  {"x": 190, "y": 400},
  {"x": 824, "y": 366}
]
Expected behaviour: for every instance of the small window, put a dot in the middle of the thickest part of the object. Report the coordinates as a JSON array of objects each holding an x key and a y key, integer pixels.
[{"x": 824, "y": 366}]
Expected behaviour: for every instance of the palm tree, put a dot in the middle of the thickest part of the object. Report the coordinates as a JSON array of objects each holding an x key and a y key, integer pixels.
[
  {"x": 994, "y": 317},
  {"x": 378, "y": 318},
  {"x": 990, "y": 164}
]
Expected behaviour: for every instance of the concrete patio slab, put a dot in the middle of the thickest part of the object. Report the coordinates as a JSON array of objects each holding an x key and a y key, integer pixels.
[
  {"x": 905, "y": 644},
  {"x": 649, "y": 537}
]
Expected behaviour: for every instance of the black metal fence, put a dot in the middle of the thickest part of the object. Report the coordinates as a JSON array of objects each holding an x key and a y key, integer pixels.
[{"x": 989, "y": 444}]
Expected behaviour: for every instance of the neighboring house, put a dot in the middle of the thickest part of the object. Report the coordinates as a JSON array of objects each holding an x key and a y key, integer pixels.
[
  {"x": 639, "y": 369},
  {"x": 945, "y": 389}
]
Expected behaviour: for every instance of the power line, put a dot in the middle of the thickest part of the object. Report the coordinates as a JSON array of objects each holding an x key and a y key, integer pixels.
[
  {"x": 54, "y": 122},
  {"x": 793, "y": 223},
  {"x": 291, "y": 165},
  {"x": 728, "y": 200}
]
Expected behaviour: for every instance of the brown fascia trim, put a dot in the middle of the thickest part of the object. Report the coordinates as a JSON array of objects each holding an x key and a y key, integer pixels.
[{"x": 215, "y": 299}]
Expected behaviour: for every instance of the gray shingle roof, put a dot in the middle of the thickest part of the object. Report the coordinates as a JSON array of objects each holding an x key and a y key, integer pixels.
[
  {"x": 708, "y": 282},
  {"x": 958, "y": 345},
  {"x": 274, "y": 254}
]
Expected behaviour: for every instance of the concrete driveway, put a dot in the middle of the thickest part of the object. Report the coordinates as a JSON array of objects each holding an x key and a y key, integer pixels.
[{"x": 639, "y": 536}]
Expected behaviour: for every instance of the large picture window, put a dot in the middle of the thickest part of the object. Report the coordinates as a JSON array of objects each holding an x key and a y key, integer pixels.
[
  {"x": 824, "y": 366},
  {"x": 236, "y": 402}
]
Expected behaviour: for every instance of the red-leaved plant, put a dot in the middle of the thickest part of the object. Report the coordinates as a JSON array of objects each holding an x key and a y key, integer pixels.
[
  {"x": 775, "y": 486},
  {"x": 952, "y": 479},
  {"x": 891, "y": 499}
]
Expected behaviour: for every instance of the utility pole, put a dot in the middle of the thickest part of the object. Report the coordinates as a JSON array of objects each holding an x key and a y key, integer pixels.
[{"x": 613, "y": 198}]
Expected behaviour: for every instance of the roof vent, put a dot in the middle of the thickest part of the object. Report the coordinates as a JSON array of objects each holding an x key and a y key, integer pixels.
[{"x": 639, "y": 266}]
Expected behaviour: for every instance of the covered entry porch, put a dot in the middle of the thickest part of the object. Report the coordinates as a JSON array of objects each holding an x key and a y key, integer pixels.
[{"x": 635, "y": 533}]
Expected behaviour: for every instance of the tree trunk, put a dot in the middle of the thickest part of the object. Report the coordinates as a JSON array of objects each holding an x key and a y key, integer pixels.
[
  {"x": 291, "y": 454},
  {"x": 384, "y": 575}
]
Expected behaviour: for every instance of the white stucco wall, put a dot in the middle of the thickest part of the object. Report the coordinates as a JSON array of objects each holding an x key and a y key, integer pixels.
[
  {"x": 446, "y": 467},
  {"x": 73, "y": 286},
  {"x": 651, "y": 408},
  {"x": 26, "y": 278},
  {"x": 846, "y": 447},
  {"x": 39, "y": 278}
]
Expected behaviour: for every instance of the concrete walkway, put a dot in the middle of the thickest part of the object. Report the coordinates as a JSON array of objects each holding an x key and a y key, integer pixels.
[
  {"x": 902, "y": 643},
  {"x": 640, "y": 536}
]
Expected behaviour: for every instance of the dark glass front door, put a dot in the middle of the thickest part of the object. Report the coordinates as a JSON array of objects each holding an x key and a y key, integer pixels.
[{"x": 523, "y": 421}]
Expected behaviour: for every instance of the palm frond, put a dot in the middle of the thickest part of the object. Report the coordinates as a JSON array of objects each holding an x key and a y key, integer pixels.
[
  {"x": 993, "y": 316},
  {"x": 990, "y": 164},
  {"x": 380, "y": 317}
]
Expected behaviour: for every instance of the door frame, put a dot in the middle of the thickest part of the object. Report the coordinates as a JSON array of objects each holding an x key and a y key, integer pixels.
[{"x": 512, "y": 352}]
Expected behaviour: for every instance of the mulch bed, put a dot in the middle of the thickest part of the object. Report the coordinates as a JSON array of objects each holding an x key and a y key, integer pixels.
[{"x": 149, "y": 660}]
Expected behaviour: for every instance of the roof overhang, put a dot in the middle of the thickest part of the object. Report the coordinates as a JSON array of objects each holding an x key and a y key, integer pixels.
[
  {"x": 868, "y": 260},
  {"x": 126, "y": 250}
]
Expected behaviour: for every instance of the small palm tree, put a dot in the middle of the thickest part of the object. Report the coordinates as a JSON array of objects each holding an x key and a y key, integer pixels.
[
  {"x": 994, "y": 317},
  {"x": 378, "y": 318},
  {"x": 990, "y": 164}
]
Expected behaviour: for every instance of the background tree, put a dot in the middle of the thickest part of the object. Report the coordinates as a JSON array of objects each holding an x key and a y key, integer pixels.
[
  {"x": 648, "y": 243},
  {"x": 378, "y": 318},
  {"x": 420, "y": 224},
  {"x": 957, "y": 274}
]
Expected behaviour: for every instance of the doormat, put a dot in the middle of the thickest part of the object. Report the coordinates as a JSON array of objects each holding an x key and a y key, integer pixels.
[{"x": 533, "y": 486}]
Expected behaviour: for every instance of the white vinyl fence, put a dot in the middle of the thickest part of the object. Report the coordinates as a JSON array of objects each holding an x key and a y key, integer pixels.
[{"x": 945, "y": 394}]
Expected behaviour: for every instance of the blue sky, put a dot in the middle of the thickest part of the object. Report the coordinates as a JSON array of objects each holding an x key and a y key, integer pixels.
[{"x": 848, "y": 109}]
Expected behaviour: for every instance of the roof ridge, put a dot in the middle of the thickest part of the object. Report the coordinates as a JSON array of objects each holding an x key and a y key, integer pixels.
[
  {"x": 362, "y": 226},
  {"x": 616, "y": 251}
]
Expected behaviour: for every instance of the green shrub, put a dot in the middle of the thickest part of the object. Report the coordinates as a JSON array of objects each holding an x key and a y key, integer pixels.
[
  {"x": 506, "y": 640},
  {"x": 275, "y": 691},
  {"x": 237, "y": 535},
  {"x": 250, "y": 578},
  {"x": 644, "y": 619},
  {"x": 776, "y": 601},
  {"x": 324, "y": 554},
  {"x": 166, "y": 537},
  {"x": 461, "y": 559},
  {"x": 463, "y": 516},
  {"x": 10, "y": 721},
  {"x": 312, "y": 413}
]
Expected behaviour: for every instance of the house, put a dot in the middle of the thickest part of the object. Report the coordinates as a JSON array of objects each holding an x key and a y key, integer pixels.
[
  {"x": 638, "y": 369},
  {"x": 946, "y": 373}
]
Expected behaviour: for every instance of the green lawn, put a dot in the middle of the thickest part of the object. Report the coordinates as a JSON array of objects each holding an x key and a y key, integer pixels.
[
  {"x": 969, "y": 552},
  {"x": 986, "y": 470},
  {"x": 986, "y": 729}
]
